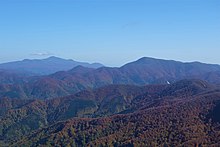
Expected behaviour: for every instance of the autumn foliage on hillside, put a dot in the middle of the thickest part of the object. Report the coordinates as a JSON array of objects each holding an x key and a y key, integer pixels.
[{"x": 181, "y": 114}]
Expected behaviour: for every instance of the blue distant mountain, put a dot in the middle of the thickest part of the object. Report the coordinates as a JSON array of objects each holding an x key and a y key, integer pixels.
[
  {"x": 45, "y": 66},
  {"x": 141, "y": 72}
]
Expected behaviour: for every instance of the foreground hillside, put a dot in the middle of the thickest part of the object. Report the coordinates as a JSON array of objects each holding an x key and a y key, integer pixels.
[{"x": 184, "y": 113}]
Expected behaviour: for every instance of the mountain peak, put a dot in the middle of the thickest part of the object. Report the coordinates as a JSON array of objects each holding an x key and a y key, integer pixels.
[
  {"x": 45, "y": 66},
  {"x": 80, "y": 69},
  {"x": 151, "y": 59},
  {"x": 53, "y": 58},
  {"x": 147, "y": 58}
]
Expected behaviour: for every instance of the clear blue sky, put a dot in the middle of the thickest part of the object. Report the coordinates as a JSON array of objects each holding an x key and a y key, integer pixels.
[{"x": 112, "y": 32}]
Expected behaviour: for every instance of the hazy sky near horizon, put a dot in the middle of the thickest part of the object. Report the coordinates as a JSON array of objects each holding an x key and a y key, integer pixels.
[{"x": 112, "y": 32}]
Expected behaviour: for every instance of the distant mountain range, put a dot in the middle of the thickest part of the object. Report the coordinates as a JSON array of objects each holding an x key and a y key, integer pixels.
[
  {"x": 141, "y": 72},
  {"x": 44, "y": 66}
]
